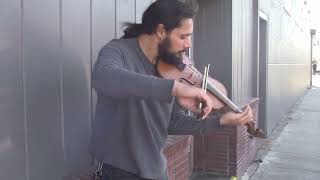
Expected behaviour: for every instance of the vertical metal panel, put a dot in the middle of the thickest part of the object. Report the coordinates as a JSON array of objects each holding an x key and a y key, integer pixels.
[
  {"x": 255, "y": 48},
  {"x": 249, "y": 48},
  {"x": 141, "y": 5},
  {"x": 242, "y": 50},
  {"x": 240, "y": 58},
  {"x": 236, "y": 50},
  {"x": 41, "y": 54},
  {"x": 245, "y": 58},
  {"x": 242, "y": 19},
  {"x": 125, "y": 12},
  {"x": 75, "y": 84},
  {"x": 212, "y": 40},
  {"x": 262, "y": 65},
  {"x": 12, "y": 144},
  {"x": 103, "y": 26}
]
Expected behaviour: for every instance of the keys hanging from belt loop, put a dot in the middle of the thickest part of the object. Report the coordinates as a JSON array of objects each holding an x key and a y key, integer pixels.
[{"x": 98, "y": 173}]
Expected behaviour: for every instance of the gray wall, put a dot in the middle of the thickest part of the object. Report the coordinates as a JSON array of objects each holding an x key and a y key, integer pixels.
[
  {"x": 213, "y": 41},
  {"x": 288, "y": 63},
  {"x": 223, "y": 37},
  {"x": 47, "y": 49},
  {"x": 12, "y": 133}
]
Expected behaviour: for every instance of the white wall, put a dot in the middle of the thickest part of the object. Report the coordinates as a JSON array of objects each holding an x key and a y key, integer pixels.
[{"x": 288, "y": 71}]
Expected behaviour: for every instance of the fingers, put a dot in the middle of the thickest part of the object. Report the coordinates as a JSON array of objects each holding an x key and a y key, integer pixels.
[
  {"x": 246, "y": 116},
  {"x": 232, "y": 118},
  {"x": 208, "y": 103},
  {"x": 191, "y": 97}
]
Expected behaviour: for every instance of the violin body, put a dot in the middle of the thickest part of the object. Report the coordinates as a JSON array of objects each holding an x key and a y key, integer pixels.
[
  {"x": 188, "y": 74},
  {"x": 191, "y": 76}
]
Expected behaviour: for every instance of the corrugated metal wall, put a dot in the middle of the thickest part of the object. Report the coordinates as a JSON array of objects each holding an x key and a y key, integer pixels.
[
  {"x": 47, "y": 48},
  {"x": 12, "y": 137},
  {"x": 242, "y": 50}
]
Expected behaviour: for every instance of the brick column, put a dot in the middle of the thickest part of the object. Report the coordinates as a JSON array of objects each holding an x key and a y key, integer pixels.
[{"x": 228, "y": 151}]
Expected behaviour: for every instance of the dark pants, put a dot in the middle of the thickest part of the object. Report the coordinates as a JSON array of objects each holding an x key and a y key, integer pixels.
[{"x": 112, "y": 173}]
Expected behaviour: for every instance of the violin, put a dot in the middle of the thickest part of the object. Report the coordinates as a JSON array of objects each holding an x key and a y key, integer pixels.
[{"x": 188, "y": 74}]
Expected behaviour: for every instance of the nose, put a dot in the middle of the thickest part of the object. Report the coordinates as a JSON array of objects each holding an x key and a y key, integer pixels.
[{"x": 187, "y": 43}]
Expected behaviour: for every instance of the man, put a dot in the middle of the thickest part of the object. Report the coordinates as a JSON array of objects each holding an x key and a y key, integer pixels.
[
  {"x": 136, "y": 110},
  {"x": 314, "y": 67}
]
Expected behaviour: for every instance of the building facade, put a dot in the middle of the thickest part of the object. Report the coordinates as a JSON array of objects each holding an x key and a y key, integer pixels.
[
  {"x": 286, "y": 24},
  {"x": 47, "y": 49}
]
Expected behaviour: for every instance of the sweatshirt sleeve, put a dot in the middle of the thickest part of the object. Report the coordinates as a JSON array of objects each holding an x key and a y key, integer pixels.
[
  {"x": 111, "y": 78},
  {"x": 183, "y": 124}
]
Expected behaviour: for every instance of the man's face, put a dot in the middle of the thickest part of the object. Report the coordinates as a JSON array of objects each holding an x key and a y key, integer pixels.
[{"x": 176, "y": 43}]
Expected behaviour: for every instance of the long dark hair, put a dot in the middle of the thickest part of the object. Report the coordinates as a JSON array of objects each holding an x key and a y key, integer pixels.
[{"x": 170, "y": 13}]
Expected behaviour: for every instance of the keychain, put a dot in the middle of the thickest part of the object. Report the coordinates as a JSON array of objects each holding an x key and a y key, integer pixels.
[{"x": 98, "y": 172}]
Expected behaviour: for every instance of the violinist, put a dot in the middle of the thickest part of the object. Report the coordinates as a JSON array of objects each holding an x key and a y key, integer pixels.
[{"x": 136, "y": 109}]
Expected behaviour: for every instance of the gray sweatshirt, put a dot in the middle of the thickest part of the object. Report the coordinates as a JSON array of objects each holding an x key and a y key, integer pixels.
[{"x": 135, "y": 111}]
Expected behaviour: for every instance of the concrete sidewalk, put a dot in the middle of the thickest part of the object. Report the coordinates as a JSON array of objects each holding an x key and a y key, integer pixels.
[{"x": 293, "y": 151}]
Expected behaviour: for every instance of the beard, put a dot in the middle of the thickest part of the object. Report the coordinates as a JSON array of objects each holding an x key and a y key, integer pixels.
[{"x": 168, "y": 57}]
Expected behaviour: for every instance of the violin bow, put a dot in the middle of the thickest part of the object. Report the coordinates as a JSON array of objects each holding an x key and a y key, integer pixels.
[{"x": 205, "y": 80}]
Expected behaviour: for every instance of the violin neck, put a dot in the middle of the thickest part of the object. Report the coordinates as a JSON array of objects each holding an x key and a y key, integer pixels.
[{"x": 223, "y": 98}]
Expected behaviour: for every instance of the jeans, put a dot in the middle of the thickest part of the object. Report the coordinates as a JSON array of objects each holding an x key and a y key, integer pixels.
[{"x": 112, "y": 173}]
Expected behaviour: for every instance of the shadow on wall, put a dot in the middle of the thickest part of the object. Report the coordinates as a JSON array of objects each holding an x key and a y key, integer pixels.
[
  {"x": 76, "y": 111},
  {"x": 12, "y": 149},
  {"x": 45, "y": 109},
  {"x": 58, "y": 105}
]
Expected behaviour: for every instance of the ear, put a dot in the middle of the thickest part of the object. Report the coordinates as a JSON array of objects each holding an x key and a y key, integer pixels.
[{"x": 161, "y": 32}]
